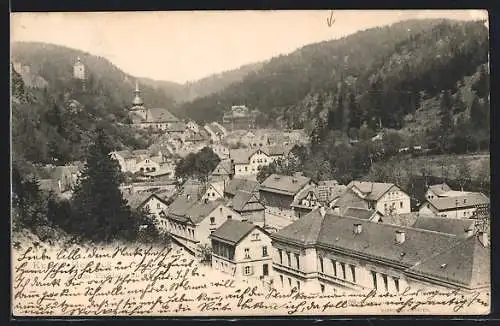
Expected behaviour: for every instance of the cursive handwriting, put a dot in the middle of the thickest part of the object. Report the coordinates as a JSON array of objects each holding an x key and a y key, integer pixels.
[
  {"x": 134, "y": 281},
  {"x": 330, "y": 20}
]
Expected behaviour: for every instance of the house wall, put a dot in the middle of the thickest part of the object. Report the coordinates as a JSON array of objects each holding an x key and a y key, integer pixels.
[
  {"x": 288, "y": 274},
  {"x": 155, "y": 207},
  {"x": 395, "y": 198},
  {"x": 257, "y": 257},
  {"x": 212, "y": 194},
  {"x": 183, "y": 232},
  {"x": 145, "y": 165},
  {"x": 277, "y": 204},
  {"x": 256, "y": 217},
  {"x": 205, "y": 227},
  {"x": 460, "y": 213}
]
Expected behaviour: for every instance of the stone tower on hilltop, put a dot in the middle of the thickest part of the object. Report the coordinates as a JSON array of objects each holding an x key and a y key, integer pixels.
[{"x": 79, "y": 72}]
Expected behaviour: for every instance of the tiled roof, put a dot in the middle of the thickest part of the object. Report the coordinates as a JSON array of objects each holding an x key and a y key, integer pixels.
[
  {"x": 466, "y": 263},
  {"x": 440, "y": 188},
  {"x": 350, "y": 199},
  {"x": 48, "y": 185},
  {"x": 284, "y": 184},
  {"x": 304, "y": 231},
  {"x": 458, "y": 202},
  {"x": 240, "y": 184},
  {"x": 233, "y": 231},
  {"x": 217, "y": 128},
  {"x": 125, "y": 154},
  {"x": 246, "y": 201},
  {"x": 241, "y": 155},
  {"x": 372, "y": 190},
  {"x": 179, "y": 207},
  {"x": 457, "y": 227},
  {"x": 135, "y": 200},
  {"x": 201, "y": 209},
  {"x": 176, "y": 127},
  {"x": 377, "y": 240},
  {"x": 407, "y": 219},
  {"x": 303, "y": 194},
  {"x": 274, "y": 150},
  {"x": 223, "y": 168},
  {"x": 360, "y": 213},
  {"x": 328, "y": 183},
  {"x": 160, "y": 115}
]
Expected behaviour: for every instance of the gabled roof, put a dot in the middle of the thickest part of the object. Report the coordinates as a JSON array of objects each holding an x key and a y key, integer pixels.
[
  {"x": 179, "y": 207},
  {"x": 126, "y": 154},
  {"x": 140, "y": 152},
  {"x": 240, "y": 184},
  {"x": 458, "y": 202},
  {"x": 218, "y": 186},
  {"x": 371, "y": 190},
  {"x": 457, "y": 227},
  {"x": 284, "y": 184},
  {"x": 304, "y": 231},
  {"x": 241, "y": 155},
  {"x": 201, "y": 209},
  {"x": 303, "y": 193},
  {"x": 349, "y": 199},
  {"x": 233, "y": 231},
  {"x": 223, "y": 168},
  {"x": 246, "y": 201},
  {"x": 407, "y": 219},
  {"x": 135, "y": 200},
  {"x": 361, "y": 213},
  {"x": 439, "y": 188}
]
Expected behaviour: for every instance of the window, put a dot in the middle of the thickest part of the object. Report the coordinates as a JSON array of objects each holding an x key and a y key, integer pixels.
[
  {"x": 264, "y": 251},
  {"x": 246, "y": 168},
  {"x": 396, "y": 284},
  {"x": 374, "y": 277},
  {"x": 281, "y": 278},
  {"x": 290, "y": 282},
  {"x": 297, "y": 260},
  {"x": 255, "y": 236},
  {"x": 229, "y": 217},
  {"x": 400, "y": 204},
  {"x": 322, "y": 287},
  {"x": 288, "y": 258},
  {"x": 247, "y": 270},
  {"x": 334, "y": 266},
  {"x": 158, "y": 205},
  {"x": 353, "y": 272},
  {"x": 321, "y": 264},
  {"x": 247, "y": 253},
  {"x": 281, "y": 256},
  {"x": 298, "y": 285},
  {"x": 384, "y": 277},
  {"x": 342, "y": 265},
  {"x": 212, "y": 221},
  {"x": 265, "y": 269}
]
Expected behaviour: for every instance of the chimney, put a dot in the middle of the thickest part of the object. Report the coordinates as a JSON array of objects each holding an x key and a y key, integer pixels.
[
  {"x": 400, "y": 236},
  {"x": 484, "y": 239},
  {"x": 469, "y": 231},
  {"x": 322, "y": 211},
  {"x": 358, "y": 228}
]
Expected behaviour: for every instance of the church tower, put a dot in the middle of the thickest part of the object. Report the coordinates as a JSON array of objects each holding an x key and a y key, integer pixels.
[
  {"x": 79, "y": 72},
  {"x": 138, "y": 104}
]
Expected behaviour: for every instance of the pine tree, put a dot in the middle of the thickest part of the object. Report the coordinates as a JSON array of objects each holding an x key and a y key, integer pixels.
[
  {"x": 100, "y": 212},
  {"x": 354, "y": 112},
  {"x": 446, "y": 113},
  {"x": 340, "y": 111}
]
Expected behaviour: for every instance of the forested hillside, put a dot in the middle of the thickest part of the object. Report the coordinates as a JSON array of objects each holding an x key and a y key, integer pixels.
[
  {"x": 54, "y": 124},
  {"x": 387, "y": 71},
  {"x": 205, "y": 86}
]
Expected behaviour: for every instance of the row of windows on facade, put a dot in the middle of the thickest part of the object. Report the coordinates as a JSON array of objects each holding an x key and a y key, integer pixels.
[
  {"x": 289, "y": 259},
  {"x": 393, "y": 205},
  {"x": 248, "y": 270},
  {"x": 228, "y": 251},
  {"x": 153, "y": 169},
  {"x": 337, "y": 273},
  {"x": 212, "y": 219},
  {"x": 246, "y": 169},
  {"x": 182, "y": 228},
  {"x": 289, "y": 282}
]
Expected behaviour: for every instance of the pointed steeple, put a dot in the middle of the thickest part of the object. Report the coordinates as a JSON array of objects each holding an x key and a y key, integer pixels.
[{"x": 137, "y": 99}]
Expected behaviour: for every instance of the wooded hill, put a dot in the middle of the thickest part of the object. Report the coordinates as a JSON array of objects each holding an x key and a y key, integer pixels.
[{"x": 389, "y": 72}]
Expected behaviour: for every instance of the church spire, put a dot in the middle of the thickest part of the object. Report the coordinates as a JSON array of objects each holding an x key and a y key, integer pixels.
[{"x": 137, "y": 99}]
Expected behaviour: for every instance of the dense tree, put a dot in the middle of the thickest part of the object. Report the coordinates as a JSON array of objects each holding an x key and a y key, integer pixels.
[
  {"x": 197, "y": 165},
  {"x": 482, "y": 85},
  {"x": 478, "y": 114},
  {"x": 463, "y": 174},
  {"x": 100, "y": 212}
]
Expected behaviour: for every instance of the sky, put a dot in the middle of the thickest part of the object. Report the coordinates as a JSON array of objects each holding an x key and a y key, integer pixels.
[{"x": 186, "y": 46}]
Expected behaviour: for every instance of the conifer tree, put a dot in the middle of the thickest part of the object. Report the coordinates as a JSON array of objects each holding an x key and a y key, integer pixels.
[
  {"x": 354, "y": 112},
  {"x": 100, "y": 212},
  {"x": 446, "y": 113}
]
